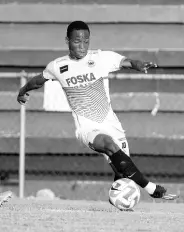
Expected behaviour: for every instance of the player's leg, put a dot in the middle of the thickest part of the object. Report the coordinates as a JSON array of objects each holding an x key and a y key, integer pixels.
[
  {"x": 119, "y": 160},
  {"x": 98, "y": 140},
  {"x": 123, "y": 164},
  {"x": 123, "y": 145}
]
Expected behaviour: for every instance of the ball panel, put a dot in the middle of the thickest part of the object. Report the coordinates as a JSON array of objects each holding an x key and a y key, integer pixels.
[
  {"x": 122, "y": 202},
  {"x": 124, "y": 194},
  {"x": 120, "y": 185}
]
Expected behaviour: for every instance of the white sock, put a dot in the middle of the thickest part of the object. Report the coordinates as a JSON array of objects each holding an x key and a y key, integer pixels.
[{"x": 150, "y": 187}]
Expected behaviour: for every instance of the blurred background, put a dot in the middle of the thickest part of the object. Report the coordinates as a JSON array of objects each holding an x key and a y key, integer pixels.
[{"x": 32, "y": 33}]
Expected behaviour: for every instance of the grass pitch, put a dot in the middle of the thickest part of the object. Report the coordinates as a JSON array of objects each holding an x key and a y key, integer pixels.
[{"x": 89, "y": 216}]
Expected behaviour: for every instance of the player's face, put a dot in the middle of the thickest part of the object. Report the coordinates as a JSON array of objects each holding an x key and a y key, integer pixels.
[{"x": 78, "y": 43}]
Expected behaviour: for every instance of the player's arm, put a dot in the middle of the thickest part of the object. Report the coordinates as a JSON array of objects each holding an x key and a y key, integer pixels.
[
  {"x": 136, "y": 64},
  {"x": 114, "y": 61},
  {"x": 35, "y": 83}
]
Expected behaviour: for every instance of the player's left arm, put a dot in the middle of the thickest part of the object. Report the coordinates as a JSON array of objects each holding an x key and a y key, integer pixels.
[
  {"x": 114, "y": 61},
  {"x": 137, "y": 65}
]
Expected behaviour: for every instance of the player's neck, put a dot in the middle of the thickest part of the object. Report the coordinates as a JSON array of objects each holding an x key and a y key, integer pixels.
[{"x": 72, "y": 57}]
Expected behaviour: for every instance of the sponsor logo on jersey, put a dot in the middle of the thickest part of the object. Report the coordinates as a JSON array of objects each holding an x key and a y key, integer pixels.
[
  {"x": 80, "y": 79},
  {"x": 91, "y": 63},
  {"x": 63, "y": 69}
]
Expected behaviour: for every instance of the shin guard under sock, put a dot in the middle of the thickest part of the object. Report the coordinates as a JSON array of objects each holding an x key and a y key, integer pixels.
[{"x": 127, "y": 168}]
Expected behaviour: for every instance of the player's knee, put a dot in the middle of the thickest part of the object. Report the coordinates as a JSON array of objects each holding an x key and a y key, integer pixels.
[
  {"x": 110, "y": 146},
  {"x": 105, "y": 144}
]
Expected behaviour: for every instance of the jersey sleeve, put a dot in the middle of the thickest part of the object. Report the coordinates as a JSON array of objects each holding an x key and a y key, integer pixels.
[
  {"x": 112, "y": 60},
  {"x": 48, "y": 72}
]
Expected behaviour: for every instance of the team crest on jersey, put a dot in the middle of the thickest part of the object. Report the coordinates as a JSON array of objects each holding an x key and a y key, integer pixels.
[{"x": 91, "y": 63}]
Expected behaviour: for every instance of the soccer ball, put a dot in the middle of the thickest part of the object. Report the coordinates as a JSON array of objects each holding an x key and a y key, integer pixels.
[{"x": 124, "y": 194}]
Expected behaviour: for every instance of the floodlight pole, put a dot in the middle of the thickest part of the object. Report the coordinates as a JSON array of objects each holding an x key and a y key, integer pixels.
[{"x": 22, "y": 141}]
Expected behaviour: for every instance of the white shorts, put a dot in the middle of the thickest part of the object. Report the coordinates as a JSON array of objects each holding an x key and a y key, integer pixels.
[{"x": 87, "y": 132}]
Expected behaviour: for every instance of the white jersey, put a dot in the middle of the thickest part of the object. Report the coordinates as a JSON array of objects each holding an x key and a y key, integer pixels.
[{"x": 85, "y": 83}]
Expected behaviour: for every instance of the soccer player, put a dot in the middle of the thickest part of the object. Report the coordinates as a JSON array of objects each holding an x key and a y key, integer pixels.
[{"x": 83, "y": 75}]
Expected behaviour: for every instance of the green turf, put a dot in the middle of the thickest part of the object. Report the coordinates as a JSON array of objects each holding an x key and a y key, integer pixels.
[{"x": 78, "y": 216}]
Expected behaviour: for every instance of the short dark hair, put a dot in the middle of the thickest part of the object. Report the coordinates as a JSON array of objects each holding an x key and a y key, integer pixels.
[{"x": 76, "y": 25}]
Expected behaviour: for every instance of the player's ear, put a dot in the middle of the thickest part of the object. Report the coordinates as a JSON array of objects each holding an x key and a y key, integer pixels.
[{"x": 66, "y": 40}]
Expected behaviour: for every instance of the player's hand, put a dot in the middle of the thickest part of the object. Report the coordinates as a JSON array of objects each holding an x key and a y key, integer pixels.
[
  {"x": 143, "y": 66},
  {"x": 23, "y": 99}
]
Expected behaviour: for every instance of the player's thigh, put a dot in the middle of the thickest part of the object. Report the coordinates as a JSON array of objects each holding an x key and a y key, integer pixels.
[
  {"x": 117, "y": 136},
  {"x": 123, "y": 145},
  {"x": 87, "y": 135}
]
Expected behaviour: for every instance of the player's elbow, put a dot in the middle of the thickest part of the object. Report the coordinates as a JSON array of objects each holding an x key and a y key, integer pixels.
[
  {"x": 38, "y": 81},
  {"x": 35, "y": 83}
]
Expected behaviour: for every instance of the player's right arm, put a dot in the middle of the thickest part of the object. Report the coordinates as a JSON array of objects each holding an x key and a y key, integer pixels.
[{"x": 35, "y": 83}]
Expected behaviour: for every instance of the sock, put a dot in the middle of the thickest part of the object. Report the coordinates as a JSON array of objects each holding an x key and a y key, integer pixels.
[
  {"x": 150, "y": 188},
  {"x": 116, "y": 177},
  {"x": 125, "y": 166}
]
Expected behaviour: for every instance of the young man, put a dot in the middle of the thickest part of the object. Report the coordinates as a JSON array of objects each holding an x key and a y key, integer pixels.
[{"x": 83, "y": 75}]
